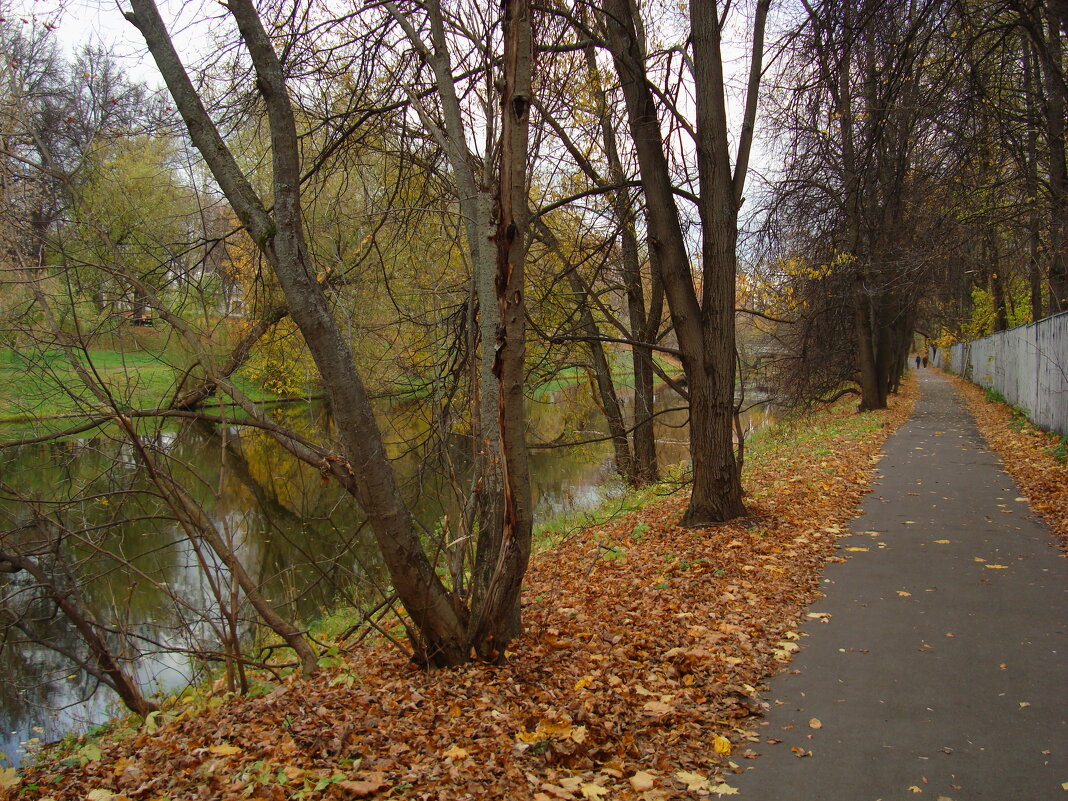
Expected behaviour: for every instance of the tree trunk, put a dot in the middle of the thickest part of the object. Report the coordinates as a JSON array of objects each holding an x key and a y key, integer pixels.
[
  {"x": 868, "y": 376},
  {"x": 606, "y": 390},
  {"x": 643, "y": 327},
  {"x": 496, "y": 622},
  {"x": 717, "y": 492},
  {"x": 1034, "y": 224},
  {"x": 705, "y": 334},
  {"x": 1056, "y": 105},
  {"x": 279, "y": 234},
  {"x": 111, "y": 670}
]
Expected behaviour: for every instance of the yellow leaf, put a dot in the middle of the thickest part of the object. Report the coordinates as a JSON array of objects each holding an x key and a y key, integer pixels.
[
  {"x": 815, "y": 723},
  {"x": 856, "y": 548},
  {"x": 724, "y": 789},
  {"x": 527, "y": 736},
  {"x": 555, "y": 728},
  {"x": 9, "y": 777},
  {"x": 584, "y": 682},
  {"x": 642, "y": 781},
  {"x": 694, "y": 782},
  {"x": 996, "y": 567},
  {"x": 942, "y": 542},
  {"x": 100, "y": 795},
  {"x": 819, "y": 615},
  {"x": 721, "y": 745},
  {"x": 578, "y": 734},
  {"x": 904, "y": 594},
  {"x": 225, "y": 750},
  {"x": 594, "y": 791},
  {"x": 455, "y": 752},
  {"x": 915, "y": 789}
]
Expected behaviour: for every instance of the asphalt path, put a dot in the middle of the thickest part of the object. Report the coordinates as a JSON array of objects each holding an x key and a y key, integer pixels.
[{"x": 938, "y": 665}]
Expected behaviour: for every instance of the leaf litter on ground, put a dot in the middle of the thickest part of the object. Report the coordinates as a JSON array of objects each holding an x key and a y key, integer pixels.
[
  {"x": 1027, "y": 453},
  {"x": 632, "y": 680}
]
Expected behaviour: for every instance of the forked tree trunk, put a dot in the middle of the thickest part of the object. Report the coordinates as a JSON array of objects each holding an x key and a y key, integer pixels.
[
  {"x": 704, "y": 326},
  {"x": 442, "y": 637}
]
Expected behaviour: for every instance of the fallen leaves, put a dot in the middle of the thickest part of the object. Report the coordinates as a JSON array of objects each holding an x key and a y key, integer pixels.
[
  {"x": 371, "y": 783},
  {"x": 632, "y": 679},
  {"x": 657, "y": 707},
  {"x": 642, "y": 781},
  {"x": 1027, "y": 454},
  {"x": 694, "y": 782},
  {"x": 224, "y": 750}
]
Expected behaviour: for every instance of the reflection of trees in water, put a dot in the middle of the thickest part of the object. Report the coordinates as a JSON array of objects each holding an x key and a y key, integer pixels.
[
  {"x": 101, "y": 533},
  {"x": 301, "y": 538}
]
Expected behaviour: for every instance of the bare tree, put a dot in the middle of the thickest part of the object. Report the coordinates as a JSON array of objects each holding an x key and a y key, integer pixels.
[
  {"x": 445, "y": 629},
  {"x": 703, "y": 316}
]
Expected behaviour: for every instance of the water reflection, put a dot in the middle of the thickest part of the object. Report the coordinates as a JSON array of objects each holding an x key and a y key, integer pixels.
[{"x": 168, "y": 602}]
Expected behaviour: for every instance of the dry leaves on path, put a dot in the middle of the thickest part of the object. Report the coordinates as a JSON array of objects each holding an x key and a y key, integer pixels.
[
  {"x": 1027, "y": 453},
  {"x": 633, "y": 679}
]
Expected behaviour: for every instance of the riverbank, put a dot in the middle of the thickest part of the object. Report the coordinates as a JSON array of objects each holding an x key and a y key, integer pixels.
[{"x": 637, "y": 675}]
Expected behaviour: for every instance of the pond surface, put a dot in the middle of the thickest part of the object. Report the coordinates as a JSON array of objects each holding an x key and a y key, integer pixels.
[{"x": 131, "y": 565}]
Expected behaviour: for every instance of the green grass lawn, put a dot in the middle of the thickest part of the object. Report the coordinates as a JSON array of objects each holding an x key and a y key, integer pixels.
[{"x": 37, "y": 385}]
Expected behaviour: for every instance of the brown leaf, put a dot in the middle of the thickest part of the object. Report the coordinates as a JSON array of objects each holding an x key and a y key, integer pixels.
[{"x": 370, "y": 784}]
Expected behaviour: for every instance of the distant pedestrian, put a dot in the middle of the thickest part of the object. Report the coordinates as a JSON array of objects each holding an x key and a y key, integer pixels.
[
  {"x": 917, "y": 362},
  {"x": 925, "y": 361}
]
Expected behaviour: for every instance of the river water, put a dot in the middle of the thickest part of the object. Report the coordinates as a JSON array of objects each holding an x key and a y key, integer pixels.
[{"x": 131, "y": 566}]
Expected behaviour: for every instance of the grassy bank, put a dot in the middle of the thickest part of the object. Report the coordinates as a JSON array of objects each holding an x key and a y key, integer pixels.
[
  {"x": 42, "y": 390},
  {"x": 638, "y": 672}
]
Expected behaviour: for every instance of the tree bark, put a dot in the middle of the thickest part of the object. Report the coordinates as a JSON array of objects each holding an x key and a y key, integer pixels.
[
  {"x": 497, "y": 621},
  {"x": 644, "y": 468},
  {"x": 1055, "y": 108},
  {"x": 279, "y": 235},
  {"x": 704, "y": 327}
]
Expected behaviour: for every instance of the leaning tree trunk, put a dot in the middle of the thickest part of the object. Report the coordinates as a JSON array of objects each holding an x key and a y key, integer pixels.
[
  {"x": 441, "y": 637},
  {"x": 644, "y": 468}
]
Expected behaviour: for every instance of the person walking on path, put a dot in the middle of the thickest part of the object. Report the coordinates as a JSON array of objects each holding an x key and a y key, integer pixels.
[
  {"x": 917, "y": 362},
  {"x": 936, "y": 661},
  {"x": 925, "y": 362}
]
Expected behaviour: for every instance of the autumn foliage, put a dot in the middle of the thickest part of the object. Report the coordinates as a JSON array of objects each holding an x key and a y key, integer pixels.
[
  {"x": 1030, "y": 455},
  {"x": 638, "y": 675}
]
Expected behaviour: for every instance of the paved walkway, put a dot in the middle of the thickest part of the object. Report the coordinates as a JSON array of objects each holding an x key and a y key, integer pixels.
[{"x": 942, "y": 671}]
